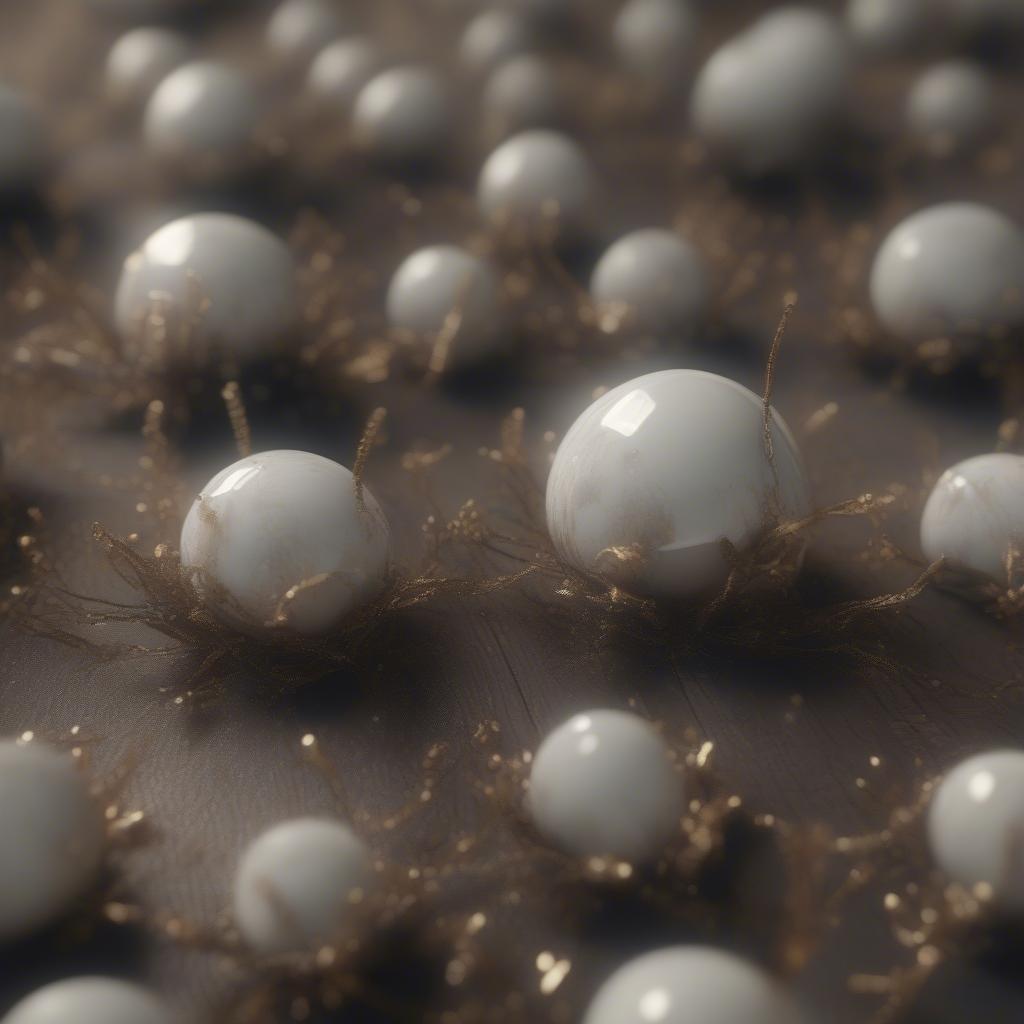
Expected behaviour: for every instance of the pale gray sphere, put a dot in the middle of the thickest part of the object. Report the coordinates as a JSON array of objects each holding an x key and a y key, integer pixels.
[
  {"x": 341, "y": 69},
  {"x": 603, "y": 784},
  {"x": 953, "y": 270},
  {"x": 89, "y": 1000},
  {"x": 655, "y": 38},
  {"x": 492, "y": 37},
  {"x": 656, "y": 280},
  {"x": 950, "y": 106},
  {"x": 141, "y": 59},
  {"x": 523, "y": 92},
  {"x": 299, "y": 29},
  {"x": 885, "y": 27},
  {"x": 22, "y": 141}
]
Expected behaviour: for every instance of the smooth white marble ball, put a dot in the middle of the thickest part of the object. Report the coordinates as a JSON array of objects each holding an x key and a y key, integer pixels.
[
  {"x": 281, "y": 520},
  {"x": 975, "y": 514},
  {"x": 22, "y": 141},
  {"x": 342, "y": 69},
  {"x": 297, "y": 882},
  {"x": 403, "y": 115},
  {"x": 952, "y": 270},
  {"x": 766, "y": 97},
  {"x": 655, "y": 38},
  {"x": 523, "y": 92},
  {"x": 658, "y": 280},
  {"x": 537, "y": 182},
  {"x": 242, "y": 273},
  {"x": 885, "y": 27},
  {"x": 950, "y": 106},
  {"x": 975, "y": 825},
  {"x": 691, "y": 985},
  {"x": 52, "y": 839},
  {"x": 141, "y": 59},
  {"x": 299, "y": 29},
  {"x": 89, "y": 1000},
  {"x": 492, "y": 37},
  {"x": 664, "y": 468},
  {"x": 603, "y": 784}
]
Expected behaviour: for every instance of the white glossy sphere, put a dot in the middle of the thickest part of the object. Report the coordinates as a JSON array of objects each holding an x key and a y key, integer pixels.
[
  {"x": 342, "y": 69},
  {"x": 298, "y": 29},
  {"x": 667, "y": 466},
  {"x": 764, "y": 98},
  {"x": 882, "y": 27},
  {"x": 89, "y": 1000},
  {"x": 296, "y": 883},
  {"x": 22, "y": 141},
  {"x": 691, "y": 985},
  {"x": 536, "y": 180},
  {"x": 202, "y": 110},
  {"x": 603, "y": 784},
  {"x": 431, "y": 284},
  {"x": 975, "y": 514},
  {"x": 656, "y": 278},
  {"x": 403, "y": 114},
  {"x": 522, "y": 93},
  {"x": 141, "y": 58},
  {"x": 275, "y": 520},
  {"x": 975, "y": 824},
  {"x": 654, "y": 38},
  {"x": 951, "y": 270},
  {"x": 492, "y": 37},
  {"x": 51, "y": 839},
  {"x": 241, "y": 270},
  {"x": 950, "y": 106}
]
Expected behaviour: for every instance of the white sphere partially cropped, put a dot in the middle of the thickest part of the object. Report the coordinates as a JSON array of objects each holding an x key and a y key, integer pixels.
[
  {"x": 885, "y": 27},
  {"x": 523, "y": 92},
  {"x": 491, "y": 37},
  {"x": 765, "y": 98},
  {"x": 229, "y": 278},
  {"x": 281, "y": 539},
  {"x": 404, "y": 115},
  {"x": 974, "y": 517},
  {"x": 655, "y": 280},
  {"x": 950, "y": 106},
  {"x": 975, "y": 824},
  {"x": 89, "y": 1000},
  {"x": 443, "y": 281},
  {"x": 952, "y": 270},
  {"x": 691, "y": 985},
  {"x": 341, "y": 70},
  {"x": 52, "y": 839},
  {"x": 656, "y": 473},
  {"x": 141, "y": 59},
  {"x": 538, "y": 182},
  {"x": 299, "y": 29},
  {"x": 297, "y": 883},
  {"x": 22, "y": 141},
  {"x": 603, "y": 785},
  {"x": 655, "y": 38}
]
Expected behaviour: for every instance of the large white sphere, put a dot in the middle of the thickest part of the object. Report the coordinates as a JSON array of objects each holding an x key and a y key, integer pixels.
[
  {"x": 602, "y": 784},
  {"x": 950, "y": 105},
  {"x": 141, "y": 58},
  {"x": 657, "y": 278},
  {"x": 342, "y": 69},
  {"x": 765, "y": 97},
  {"x": 242, "y": 273},
  {"x": 881, "y": 27},
  {"x": 655, "y": 38},
  {"x": 295, "y": 885},
  {"x": 975, "y": 825},
  {"x": 975, "y": 514},
  {"x": 51, "y": 840},
  {"x": 524, "y": 92},
  {"x": 273, "y": 521},
  {"x": 491, "y": 37},
  {"x": 298, "y": 29},
  {"x": 953, "y": 270},
  {"x": 22, "y": 141},
  {"x": 664, "y": 468},
  {"x": 691, "y": 985},
  {"x": 89, "y": 1000}
]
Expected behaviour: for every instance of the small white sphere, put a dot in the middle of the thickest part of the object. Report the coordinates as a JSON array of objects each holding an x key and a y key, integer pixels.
[
  {"x": 202, "y": 111},
  {"x": 282, "y": 520},
  {"x": 492, "y": 37},
  {"x": 765, "y": 97},
  {"x": 655, "y": 38},
  {"x": 434, "y": 282},
  {"x": 403, "y": 115},
  {"x": 656, "y": 279},
  {"x": 522, "y": 93},
  {"x": 22, "y": 141},
  {"x": 952, "y": 270},
  {"x": 297, "y": 882},
  {"x": 975, "y": 514},
  {"x": 603, "y": 785},
  {"x": 664, "y": 468},
  {"x": 241, "y": 272},
  {"x": 950, "y": 106},
  {"x": 342, "y": 69},
  {"x": 142, "y": 58},
  {"x": 537, "y": 181},
  {"x": 975, "y": 824},
  {"x": 52, "y": 838},
  {"x": 684, "y": 984},
  {"x": 89, "y": 1000},
  {"x": 883, "y": 27},
  {"x": 298, "y": 29}
]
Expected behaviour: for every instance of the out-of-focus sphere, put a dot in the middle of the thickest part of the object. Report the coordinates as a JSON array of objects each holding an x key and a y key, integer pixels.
[
  {"x": 432, "y": 284},
  {"x": 603, "y": 785},
  {"x": 656, "y": 473},
  {"x": 342, "y": 69},
  {"x": 240, "y": 272},
  {"x": 975, "y": 824},
  {"x": 974, "y": 516},
  {"x": 88, "y": 1000},
  {"x": 523, "y": 92},
  {"x": 492, "y": 37},
  {"x": 22, "y": 141},
  {"x": 691, "y": 985},
  {"x": 142, "y": 58},
  {"x": 403, "y": 115},
  {"x": 654, "y": 38},
  {"x": 883, "y": 27},
  {"x": 764, "y": 99},
  {"x": 52, "y": 839},
  {"x": 298, "y": 29},
  {"x": 537, "y": 180},
  {"x": 952, "y": 270},
  {"x": 656, "y": 280},
  {"x": 280, "y": 523},
  {"x": 202, "y": 110},
  {"x": 296, "y": 884},
  {"x": 950, "y": 106}
]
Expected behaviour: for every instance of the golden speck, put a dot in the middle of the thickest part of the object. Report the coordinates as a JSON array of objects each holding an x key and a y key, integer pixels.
[{"x": 704, "y": 753}]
